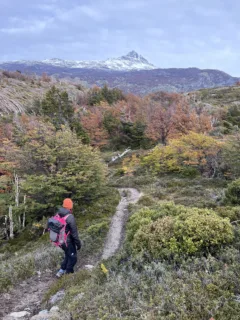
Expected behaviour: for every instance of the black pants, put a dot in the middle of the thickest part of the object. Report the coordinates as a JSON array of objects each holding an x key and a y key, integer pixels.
[{"x": 70, "y": 258}]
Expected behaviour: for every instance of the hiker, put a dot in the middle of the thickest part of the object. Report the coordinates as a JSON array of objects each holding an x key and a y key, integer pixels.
[{"x": 71, "y": 242}]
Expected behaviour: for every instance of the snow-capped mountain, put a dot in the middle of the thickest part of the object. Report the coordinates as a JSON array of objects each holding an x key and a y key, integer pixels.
[
  {"x": 131, "y": 73},
  {"x": 129, "y": 62}
]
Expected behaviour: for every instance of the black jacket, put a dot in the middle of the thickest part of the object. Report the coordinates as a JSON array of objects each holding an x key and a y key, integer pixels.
[{"x": 71, "y": 226}]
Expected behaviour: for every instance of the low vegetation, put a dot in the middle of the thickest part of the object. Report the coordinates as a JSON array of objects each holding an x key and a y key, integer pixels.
[
  {"x": 28, "y": 254},
  {"x": 178, "y": 261},
  {"x": 168, "y": 230},
  {"x": 180, "y": 257}
]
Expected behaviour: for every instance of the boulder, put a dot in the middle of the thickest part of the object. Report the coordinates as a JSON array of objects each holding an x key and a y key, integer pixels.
[
  {"x": 89, "y": 267},
  {"x": 57, "y": 297},
  {"x": 22, "y": 315},
  {"x": 54, "y": 309}
]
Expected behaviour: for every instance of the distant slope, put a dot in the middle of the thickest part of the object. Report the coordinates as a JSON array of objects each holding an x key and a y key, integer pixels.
[
  {"x": 17, "y": 95},
  {"x": 225, "y": 96},
  {"x": 139, "y": 82}
]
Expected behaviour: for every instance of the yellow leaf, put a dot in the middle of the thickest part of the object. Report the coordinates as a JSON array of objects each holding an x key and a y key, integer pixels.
[{"x": 104, "y": 269}]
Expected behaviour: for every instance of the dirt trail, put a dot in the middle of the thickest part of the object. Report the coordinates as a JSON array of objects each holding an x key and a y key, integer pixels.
[
  {"x": 115, "y": 233},
  {"x": 27, "y": 296}
]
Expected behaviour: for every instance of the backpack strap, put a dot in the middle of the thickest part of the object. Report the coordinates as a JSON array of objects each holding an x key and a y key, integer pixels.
[{"x": 65, "y": 217}]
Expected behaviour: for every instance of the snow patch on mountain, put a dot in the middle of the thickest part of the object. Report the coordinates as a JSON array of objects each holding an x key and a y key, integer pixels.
[{"x": 129, "y": 62}]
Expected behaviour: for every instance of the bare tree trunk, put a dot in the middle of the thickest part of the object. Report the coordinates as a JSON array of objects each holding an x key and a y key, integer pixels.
[
  {"x": 10, "y": 214},
  {"x": 17, "y": 192},
  {"x": 16, "y": 189},
  {"x": 24, "y": 213},
  {"x": 114, "y": 158},
  {"x": 6, "y": 229}
]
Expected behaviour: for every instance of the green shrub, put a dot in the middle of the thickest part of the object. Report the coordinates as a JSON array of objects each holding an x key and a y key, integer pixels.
[
  {"x": 100, "y": 228},
  {"x": 233, "y": 213},
  {"x": 146, "y": 215},
  {"x": 146, "y": 200},
  {"x": 170, "y": 229},
  {"x": 189, "y": 172},
  {"x": 141, "y": 217},
  {"x": 154, "y": 238},
  {"x": 232, "y": 195},
  {"x": 201, "y": 230}
]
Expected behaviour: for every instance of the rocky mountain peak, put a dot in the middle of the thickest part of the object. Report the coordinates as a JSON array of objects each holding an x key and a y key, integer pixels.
[{"x": 133, "y": 55}]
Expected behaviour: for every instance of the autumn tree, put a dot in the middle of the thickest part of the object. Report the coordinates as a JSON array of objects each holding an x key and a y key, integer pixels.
[
  {"x": 169, "y": 115},
  {"x": 92, "y": 123},
  {"x": 124, "y": 124},
  {"x": 197, "y": 151},
  {"x": 45, "y": 77},
  {"x": 160, "y": 121}
]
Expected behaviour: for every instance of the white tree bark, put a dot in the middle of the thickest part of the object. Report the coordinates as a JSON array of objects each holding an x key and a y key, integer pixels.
[
  {"x": 114, "y": 158},
  {"x": 11, "y": 225},
  {"x": 24, "y": 213},
  {"x": 17, "y": 192},
  {"x": 6, "y": 229}
]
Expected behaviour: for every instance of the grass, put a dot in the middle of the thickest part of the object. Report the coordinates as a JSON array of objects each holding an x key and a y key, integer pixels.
[
  {"x": 219, "y": 97},
  {"x": 195, "y": 192},
  {"x": 135, "y": 288},
  {"x": 93, "y": 224},
  {"x": 20, "y": 266},
  {"x": 193, "y": 288},
  {"x": 68, "y": 281}
]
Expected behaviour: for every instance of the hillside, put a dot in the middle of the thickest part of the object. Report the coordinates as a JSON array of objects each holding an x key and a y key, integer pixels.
[
  {"x": 166, "y": 247},
  {"x": 225, "y": 96},
  {"x": 131, "y": 73},
  {"x": 18, "y": 92}
]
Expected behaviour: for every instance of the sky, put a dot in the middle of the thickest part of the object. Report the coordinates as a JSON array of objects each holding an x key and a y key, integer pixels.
[{"x": 168, "y": 33}]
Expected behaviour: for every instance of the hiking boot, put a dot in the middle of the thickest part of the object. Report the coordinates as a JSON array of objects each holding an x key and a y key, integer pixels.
[{"x": 60, "y": 273}]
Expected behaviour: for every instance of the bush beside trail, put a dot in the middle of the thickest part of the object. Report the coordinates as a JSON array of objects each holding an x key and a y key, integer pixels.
[{"x": 169, "y": 230}]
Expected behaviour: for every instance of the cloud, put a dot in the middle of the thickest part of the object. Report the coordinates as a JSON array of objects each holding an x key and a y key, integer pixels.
[
  {"x": 209, "y": 12},
  {"x": 75, "y": 14},
  {"x": 156, "y": 32},
  {"x": 25, "y": 26},
  {"x": 46, "y": 7},
  {"x": 170, "y": 33},
  {"x": 92, "y": 13},
  {"x": 134, "y": 4}
]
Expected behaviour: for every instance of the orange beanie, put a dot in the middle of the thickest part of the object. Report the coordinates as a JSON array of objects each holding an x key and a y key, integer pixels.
[{"x": 67, "y": 204}]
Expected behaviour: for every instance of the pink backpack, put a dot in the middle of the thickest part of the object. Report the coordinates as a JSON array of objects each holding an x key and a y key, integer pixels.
[{"x": 57, "y": 227}]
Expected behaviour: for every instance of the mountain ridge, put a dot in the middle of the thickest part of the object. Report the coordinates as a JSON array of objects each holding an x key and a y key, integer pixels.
[
  {"x": 130, "y": 61},
  {"x": 131, "y": 73}
]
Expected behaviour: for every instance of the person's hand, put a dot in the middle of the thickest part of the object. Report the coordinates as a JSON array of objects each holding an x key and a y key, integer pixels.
[{"x": 80, "y": 245}]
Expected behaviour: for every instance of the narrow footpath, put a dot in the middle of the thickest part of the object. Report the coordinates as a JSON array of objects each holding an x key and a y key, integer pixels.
[{"x": 23, "y": 301}]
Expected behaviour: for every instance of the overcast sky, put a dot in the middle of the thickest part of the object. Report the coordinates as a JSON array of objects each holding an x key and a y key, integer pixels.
[{"x": 169, "y": 33}]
